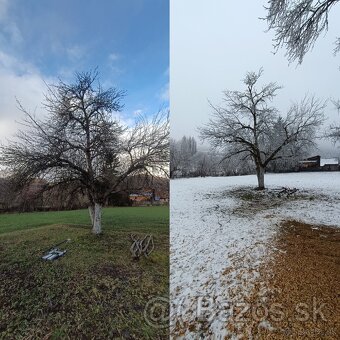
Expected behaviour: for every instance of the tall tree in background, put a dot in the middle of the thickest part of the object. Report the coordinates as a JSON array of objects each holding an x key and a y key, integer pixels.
[
  {"x": 249, "y": 126},
  {"x": 181, "y": 153},
  {"x": 175, "y": 157},
  {"x": 334, "y": 130},
  {"x": 188, "y": 146},
  {"x": 298, "y": 24},
  {"x": 80, "y": 142}
]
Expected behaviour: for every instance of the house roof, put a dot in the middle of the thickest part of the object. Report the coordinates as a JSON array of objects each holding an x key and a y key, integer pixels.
[
  {"x": 328, "y": 161},
  {"x": 308, "y": 161}
]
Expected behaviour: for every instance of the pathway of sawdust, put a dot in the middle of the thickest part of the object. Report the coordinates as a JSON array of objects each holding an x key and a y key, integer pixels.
[{"x": 302, "y": 295}]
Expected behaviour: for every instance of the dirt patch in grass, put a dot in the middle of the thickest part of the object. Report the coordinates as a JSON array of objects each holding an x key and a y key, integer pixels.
[
  {"x": 301, "y": 298},
  {"x": 111, "y": 270}
]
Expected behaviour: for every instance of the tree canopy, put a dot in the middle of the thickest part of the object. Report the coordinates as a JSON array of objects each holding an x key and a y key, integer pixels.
[
  {"x": 298, "y": 24},
  {"x": 81, "y": 141},
  {"x": 246, "y": 124}
]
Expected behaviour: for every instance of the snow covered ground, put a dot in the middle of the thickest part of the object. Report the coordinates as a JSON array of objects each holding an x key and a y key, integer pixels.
[{"x": 219, "y": 239}]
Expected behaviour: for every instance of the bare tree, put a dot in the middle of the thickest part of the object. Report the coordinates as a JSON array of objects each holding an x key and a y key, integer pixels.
[
  {"x": 334, "y": 133},
  {"x": 334, "y": 130},
  {"x": 298, "y": 24},
  {"x": 188, "y": 146},
  {"x": 175, "y": 157},
  {"x": 7, "y": 193},
  {"x": 254, "y": 129},
  {"x": 181, "y": 154},
  {"x": 81, "y": 143}
]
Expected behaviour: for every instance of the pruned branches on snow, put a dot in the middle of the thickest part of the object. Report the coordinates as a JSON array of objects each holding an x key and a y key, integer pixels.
[
  {"x": 298, "y": 24},
  {"x": 285, "y": 192}
]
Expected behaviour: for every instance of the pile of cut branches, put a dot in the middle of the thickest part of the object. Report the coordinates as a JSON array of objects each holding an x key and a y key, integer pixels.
[
  {"x": 143, "y": 245},
  {"x": 285, "y": 191}
]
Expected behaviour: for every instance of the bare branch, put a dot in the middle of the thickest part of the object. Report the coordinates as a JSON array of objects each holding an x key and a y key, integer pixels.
[{"x": 298, "y": 24}]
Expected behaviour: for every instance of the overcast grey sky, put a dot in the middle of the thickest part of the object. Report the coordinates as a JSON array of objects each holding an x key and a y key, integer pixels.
[{"x": 214, "y": 43}]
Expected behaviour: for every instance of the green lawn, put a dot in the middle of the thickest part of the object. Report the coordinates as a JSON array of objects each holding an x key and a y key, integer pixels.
[
  {"x": 119, "y": 218},
  {"x": 96, "y": 291}
]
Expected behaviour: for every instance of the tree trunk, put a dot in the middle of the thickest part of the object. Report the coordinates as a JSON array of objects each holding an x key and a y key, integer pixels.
[
  {"x": 97, "y": 219},
  {"x": 260, "y": 177},
  {"x": 91, "y": 212}
]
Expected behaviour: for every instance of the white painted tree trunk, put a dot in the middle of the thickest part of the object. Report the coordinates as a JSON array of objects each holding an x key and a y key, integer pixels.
[
  {"x": 97, "y": 219},
  {"x": 91, "y": 212},
  {"x": 260, "y": 177}
]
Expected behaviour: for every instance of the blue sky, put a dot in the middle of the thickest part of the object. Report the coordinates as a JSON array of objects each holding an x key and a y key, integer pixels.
[{"x": 40, "y": 40}]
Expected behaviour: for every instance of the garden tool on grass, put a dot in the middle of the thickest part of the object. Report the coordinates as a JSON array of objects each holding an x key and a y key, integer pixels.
[{"x": 54, "y": 252}]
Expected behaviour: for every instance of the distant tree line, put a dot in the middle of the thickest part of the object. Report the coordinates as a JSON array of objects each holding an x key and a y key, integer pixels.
[
  {"x": 187, "y": 161},
  {"x": 213, "y": 162},
  {"x": 40, "y": 195}
]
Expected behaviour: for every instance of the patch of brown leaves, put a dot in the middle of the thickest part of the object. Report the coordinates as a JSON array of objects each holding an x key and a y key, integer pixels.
[{"x": 302, "y": 285}]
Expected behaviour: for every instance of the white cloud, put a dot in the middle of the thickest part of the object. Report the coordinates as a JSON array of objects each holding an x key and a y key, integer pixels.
[
  {"x": 10, "y": 32},
  {"x": 114, "y": 56},
  {"x": 124, "y": 118},
  {"x": 11, "y": 64},
  {"x": 7, "y": 129},
  {"x": 75, "y": 52},
  {"x": 22, "y": 81},
  {"x": 164, "y": 93},
  {"x": 115, "y": 70},
  {"x": 137, "y": 112},
  {"x": 13, "y": 33}
]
